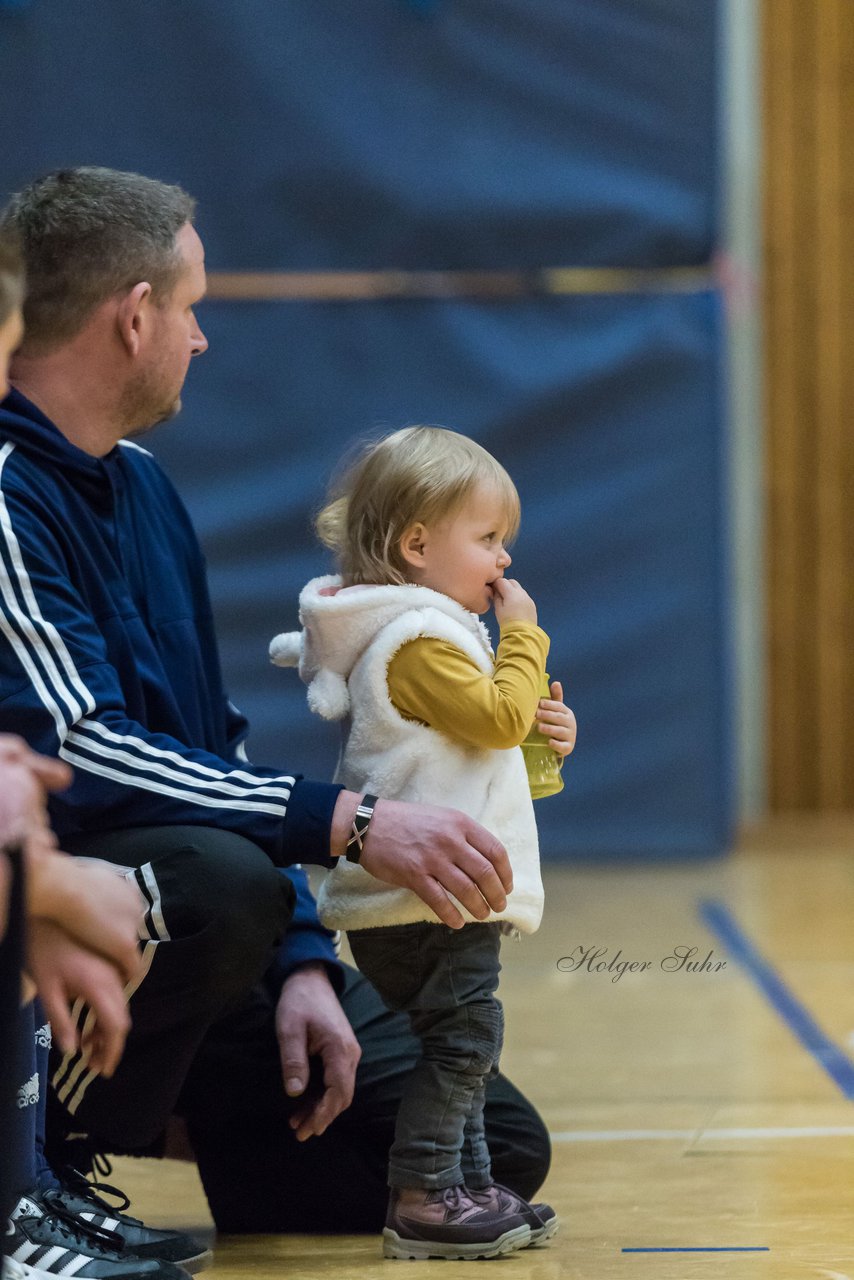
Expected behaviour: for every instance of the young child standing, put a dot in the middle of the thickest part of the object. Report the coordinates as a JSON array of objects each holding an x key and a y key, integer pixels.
[{"x": 394, "y": 648}]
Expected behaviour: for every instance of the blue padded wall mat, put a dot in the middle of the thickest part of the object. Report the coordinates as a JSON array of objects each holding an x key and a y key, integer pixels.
[{"x": 323, "y": 135}]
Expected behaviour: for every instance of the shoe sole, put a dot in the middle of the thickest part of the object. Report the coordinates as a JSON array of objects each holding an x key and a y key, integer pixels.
[
  {"x": 403, "y": 1250},
  {"x": 544, "y": 1233},
  {"x": 12, "y": 1270},
  {"x": 198, "y": 1263}
]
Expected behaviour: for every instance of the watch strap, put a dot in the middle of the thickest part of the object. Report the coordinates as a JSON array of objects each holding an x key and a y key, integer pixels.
[{"x": 358, "y": 831}]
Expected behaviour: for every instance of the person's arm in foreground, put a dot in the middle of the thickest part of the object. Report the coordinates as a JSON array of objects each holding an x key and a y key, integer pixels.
[{"x": 83, "y": 921}]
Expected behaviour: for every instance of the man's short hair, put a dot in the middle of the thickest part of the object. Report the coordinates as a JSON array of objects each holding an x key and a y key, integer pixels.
[
  {"x": 11, "y": 275},
  {"x": 88, "y": 234}
]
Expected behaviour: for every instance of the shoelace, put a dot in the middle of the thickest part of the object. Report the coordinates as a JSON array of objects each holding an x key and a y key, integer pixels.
[
  {"x": 455, "y": 1201},
  {"x": 78, "y": 1184},
  {"x": 77, "y": 1230},
  {"x": 506, "y": 1200}
]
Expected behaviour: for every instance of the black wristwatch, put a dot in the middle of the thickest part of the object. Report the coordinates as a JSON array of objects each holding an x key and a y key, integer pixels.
[{"x": 359, "y": 829}]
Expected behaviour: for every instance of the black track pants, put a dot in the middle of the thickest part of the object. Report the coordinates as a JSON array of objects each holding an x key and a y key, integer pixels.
[{"x": 216, "y": 909}]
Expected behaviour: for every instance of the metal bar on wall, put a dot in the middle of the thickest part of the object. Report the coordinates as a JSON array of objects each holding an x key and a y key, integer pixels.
[{"x": 373, "y": 286}]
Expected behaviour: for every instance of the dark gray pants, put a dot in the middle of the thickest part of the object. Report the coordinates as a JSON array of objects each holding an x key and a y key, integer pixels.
[{"x": 444, "y": 979}]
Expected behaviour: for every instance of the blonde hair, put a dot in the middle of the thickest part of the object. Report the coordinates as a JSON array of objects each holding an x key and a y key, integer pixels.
[{"x": 416, "y": 474}]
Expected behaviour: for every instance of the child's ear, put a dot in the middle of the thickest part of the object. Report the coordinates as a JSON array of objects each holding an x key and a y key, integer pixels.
[{"x": 412, "y": 545}]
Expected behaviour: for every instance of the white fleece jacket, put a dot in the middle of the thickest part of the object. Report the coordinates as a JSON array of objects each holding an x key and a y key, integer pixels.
[{"x": 349, "y": 637}]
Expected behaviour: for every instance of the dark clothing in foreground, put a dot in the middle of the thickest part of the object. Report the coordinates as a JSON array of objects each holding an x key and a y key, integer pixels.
[
  {"x": 259, "y": 1178},
  {"x": 13, "y": 1028}
]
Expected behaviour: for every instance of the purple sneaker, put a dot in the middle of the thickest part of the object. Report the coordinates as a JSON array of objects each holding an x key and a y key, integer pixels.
[
  {"x": 447, "y": 1223},
  {"x": 541, "y": 1218}
]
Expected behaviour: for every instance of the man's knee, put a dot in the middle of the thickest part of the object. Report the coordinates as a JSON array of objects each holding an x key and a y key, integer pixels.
[
  {"x": 225, "y": 888},
  {"x": 517, "y": 1137},
  {"x": 210, "y": 893}
]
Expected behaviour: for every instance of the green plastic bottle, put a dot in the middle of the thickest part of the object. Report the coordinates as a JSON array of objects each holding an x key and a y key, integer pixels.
[{"x": 542, "y": 761}]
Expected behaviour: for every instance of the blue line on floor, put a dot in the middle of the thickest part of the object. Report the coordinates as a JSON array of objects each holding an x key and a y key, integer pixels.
[
  {"x": 723, "y": 1248},
  {"x": 828, "y": 1055}
]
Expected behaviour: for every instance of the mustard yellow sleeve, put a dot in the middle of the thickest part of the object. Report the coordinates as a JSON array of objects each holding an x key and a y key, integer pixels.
[{"x": 433, "y": 681}]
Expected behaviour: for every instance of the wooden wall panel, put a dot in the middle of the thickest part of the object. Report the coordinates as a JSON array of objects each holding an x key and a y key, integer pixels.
[{"x": 808, "y": 90}]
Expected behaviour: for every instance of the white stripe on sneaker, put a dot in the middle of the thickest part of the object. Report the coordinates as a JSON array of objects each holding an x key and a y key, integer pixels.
[
  {"x": 50, "y": 1260},
  {"x": 100, "y": 1220},
  {"x": 75, "y": 1265}
]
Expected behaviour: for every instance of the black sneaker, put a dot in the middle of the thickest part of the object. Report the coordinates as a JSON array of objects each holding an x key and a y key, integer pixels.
[
  {"x": 44, "y": 1240},
  {"x": 81, "y": 1199}
]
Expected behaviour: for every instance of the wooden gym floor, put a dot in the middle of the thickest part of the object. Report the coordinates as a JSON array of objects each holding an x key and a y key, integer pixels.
[{"x": 703, "y": 1121}]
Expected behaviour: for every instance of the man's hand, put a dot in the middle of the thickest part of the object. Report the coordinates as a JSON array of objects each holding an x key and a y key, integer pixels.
[
  {"x": 511, "y": 602},
  {"x": 310, "y": 1020},
  {"x": 63, "y": 972},
  {"x": 434, "y": 852},
  {"x": 557, "y": 721}
]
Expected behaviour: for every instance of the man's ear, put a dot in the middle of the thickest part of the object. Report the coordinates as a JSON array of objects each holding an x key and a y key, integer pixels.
[
  {"x": 412, "y": 545},
  {"x": 130, "y": 315}
]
